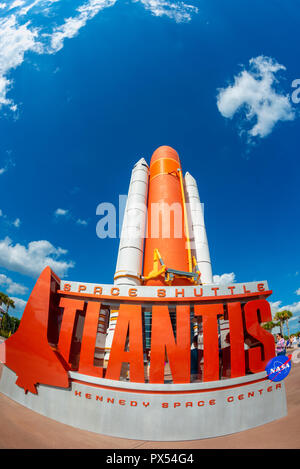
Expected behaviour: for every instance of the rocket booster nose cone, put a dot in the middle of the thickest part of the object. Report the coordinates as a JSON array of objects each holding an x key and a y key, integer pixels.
[
  {"x": 189, "y": 178},
  {"x": 191, "y": 187},
  {"x": 165, "y": 152},
  {"x": 142, "y": 162}
]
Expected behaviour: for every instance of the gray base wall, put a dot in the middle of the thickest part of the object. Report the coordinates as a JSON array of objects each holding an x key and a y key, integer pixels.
[{"x": 156, "y": 412}]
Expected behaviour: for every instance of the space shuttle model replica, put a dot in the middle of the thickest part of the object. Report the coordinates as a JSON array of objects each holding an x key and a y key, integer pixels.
[
  {"x": 155, "y": 250},
  {"x": 160, "y": 345}
]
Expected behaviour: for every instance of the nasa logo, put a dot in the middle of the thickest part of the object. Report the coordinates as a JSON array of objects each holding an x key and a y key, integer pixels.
[{"x": 279, "y": 367}]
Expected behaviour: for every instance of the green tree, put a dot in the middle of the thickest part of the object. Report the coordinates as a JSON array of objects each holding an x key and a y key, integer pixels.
[
  {"x": 283, "y": 318},
  {"x": 3, "y": 301},
  {"x": 9, "y": 304},
  {"x": 3, "y": 298},
  {"x": 288, "y": 315},
  {"x": 15, "y": 324},
  {"x": 7, "y": 320},
  {"x": 278, "y": 317},
  {"x": 7, "y": 301},
  {"x": 269, "y": 325},
  {"x": 5, "y": 325}
]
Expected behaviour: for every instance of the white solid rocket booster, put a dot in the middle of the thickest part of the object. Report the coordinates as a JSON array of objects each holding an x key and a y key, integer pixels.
[
  {"x": 130, "y": 255},
  {"x": 200, "y": 247},
  {"x": 131, "y": 247}
]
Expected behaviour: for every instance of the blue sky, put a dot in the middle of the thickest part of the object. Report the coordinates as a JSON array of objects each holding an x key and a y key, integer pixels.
[{"x": 89, "y": 87}]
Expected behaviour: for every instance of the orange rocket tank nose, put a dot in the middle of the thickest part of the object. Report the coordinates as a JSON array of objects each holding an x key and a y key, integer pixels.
[
  {"x": 164, "y": 161},
  {"x": 165, "y": 224},
  {"x": 164, "y": 152}
]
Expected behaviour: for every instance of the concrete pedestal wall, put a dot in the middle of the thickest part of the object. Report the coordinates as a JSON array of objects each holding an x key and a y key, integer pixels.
[{"x": 168, "y": 412}]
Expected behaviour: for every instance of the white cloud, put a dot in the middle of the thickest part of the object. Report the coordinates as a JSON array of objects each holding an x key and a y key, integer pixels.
[
  {"x": 255, "y": 92},
  {"x": 9, "y": 161},
  {"x": 15, "y": 40},
  {"x": 224, "y": 279},
  {"x": 72, "y": 25},
  {"x": 8, "y": 222},
  {"x": 26, "y": 8},
  {"x": 18, "y": 310},
  {"x": 297, "y": 291},
  {"x": 17, "y": 222},
  {"x": 293, "y": 308},
  {"x": 12, "y": 287},
  {"x": 60, "y": 212},
  {"x": 17, "y": 3},
  {"x": 178, "y": 11},
  {"x": 275, "y": 306},
  {"x": 18, "y": 38},
  {"x": 19, "y": 307},
  {"x": 31, "y": 260},
  {"x": 81, "y": 222}
]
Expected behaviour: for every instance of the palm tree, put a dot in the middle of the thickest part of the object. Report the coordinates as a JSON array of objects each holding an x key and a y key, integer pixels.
[
  {"x": 278, "y": 317},
  {"x": 9, "y": 304},
  {"x": 283, "y": 317},
  {"x": 3, "y": 300},
  {"x": 269, "y": 325},
  {"x": 3, "y": 297},
  {"x": 287, "y": 315}
]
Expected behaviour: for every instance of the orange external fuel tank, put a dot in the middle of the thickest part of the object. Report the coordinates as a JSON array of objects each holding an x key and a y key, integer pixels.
[{"x": 166, "y": 219}]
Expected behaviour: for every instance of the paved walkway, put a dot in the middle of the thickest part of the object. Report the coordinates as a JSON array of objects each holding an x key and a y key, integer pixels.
[{"x": 22, "y": 428}]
